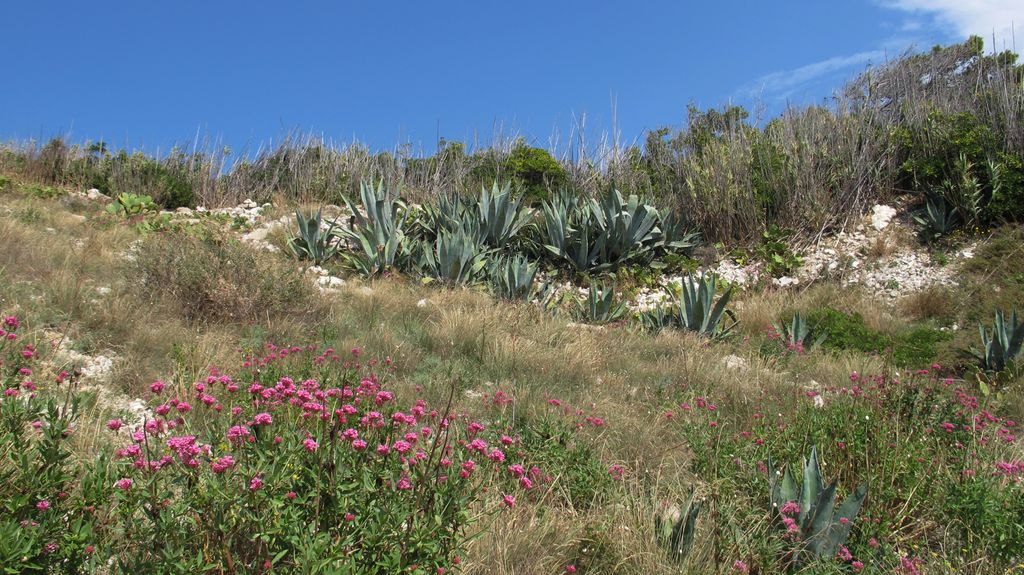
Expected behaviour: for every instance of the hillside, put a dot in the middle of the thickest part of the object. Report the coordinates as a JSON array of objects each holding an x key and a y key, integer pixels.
[{"x": 321, "y": 362}]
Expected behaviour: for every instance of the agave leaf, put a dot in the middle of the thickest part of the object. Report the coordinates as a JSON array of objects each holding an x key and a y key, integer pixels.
[
  {"x": 839, "y": 531},
  {"x": 818, "y": 522},
  {"x": 716, "y": 313},
  {"x": 789, "y": 491},
  {"x": 812, "y": 485}
]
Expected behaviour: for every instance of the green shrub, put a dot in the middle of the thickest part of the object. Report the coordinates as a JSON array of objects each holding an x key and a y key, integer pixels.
[
  {"x": 41, "y": 191},
  {"x": 989, "y": 513},
  {"x": 131, "y": 205},
  {"x": 957, "y": 153},
  {"x": 535, "y": 170},
  {"x": 554, "y": 443},
  {"x": 1007, "y": 201},
  {"x": 915, "y": 347},
  {"x": 776, "y": 252},
  {"x": 168, "y": 182}
]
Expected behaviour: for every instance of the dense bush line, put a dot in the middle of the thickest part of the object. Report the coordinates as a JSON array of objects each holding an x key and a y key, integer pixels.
[{"x": 945, "y": 125}]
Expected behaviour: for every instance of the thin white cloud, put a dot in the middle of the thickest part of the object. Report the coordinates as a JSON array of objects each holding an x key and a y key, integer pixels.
[
  {"x": 779, "y": 86},
  {"x": 964, "y": 18},
  {"x": 956, "y": 19},
  {"x": 911, "y": 26}
]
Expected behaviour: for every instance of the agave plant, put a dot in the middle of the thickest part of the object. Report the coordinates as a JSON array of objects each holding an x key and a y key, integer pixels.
[
  {"x": 673, "y": 234},
  {"x": 626, "y": 226},
  {"x": 695, "y": 309},
  {"x": 448, "y": 213},
  {"x": 809, "y": 509},
  {"x": 1001, "y": 349},
  {"x": 601, "y": 305},
  {"x": 495, "y": 217},
  {"x": 938, "y": 217},
  {"x": 676, "y": 533},
  {"x": 964, "y": 193},
  {"x": 594, "y": 235},
  {"x": 313, "y": 242},
  {"x": 378, "y": 231},
  {"x": 456, "y": 256},
  {"x": 501, "y": 216},
  {"x": 797, "y": 334},
  {"x": 513, "y": 277},
  {"x": 568, "y": 231}
]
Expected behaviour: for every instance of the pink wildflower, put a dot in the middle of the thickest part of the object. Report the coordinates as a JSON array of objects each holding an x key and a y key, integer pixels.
[
  {"x": 789, "y": 508},
  {"x": 223, "y": 464},
  {"x": 844, "y": 553}
]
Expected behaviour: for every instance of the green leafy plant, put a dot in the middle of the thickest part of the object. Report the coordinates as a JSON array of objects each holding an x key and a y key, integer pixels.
[
  {"x": 937, "y": 218},
  {"x": 601, "y": 305},
  {"x": 313, "y": 242},
  {"x": 502, "y": 217},
  {"x": 796, "y": 335},
  {"x": 913, "y": 347},
  {"x": 1001, "y": 348},
  {"x": 379, "y": 232},
  {"x": 592, "y": 235},
  {"x": 809, "y": 511},
  {"x": 128, "y": 204},
  {"x": 676, "y": 531},
  {"x": 513, "y": 277},
  {"x": 457, "y": 256},
  {"x": 673, "y": 235},
  {"x": 695, "y": 308},
  {"x": 774, "y": 249},
  {"x": 43, "y": 529},
  {"x": 964, "y": 192},
  {"x": 495, "y": 218},
  {"x": 153, "y": 224},
  {"x": 39, "y": 191}
]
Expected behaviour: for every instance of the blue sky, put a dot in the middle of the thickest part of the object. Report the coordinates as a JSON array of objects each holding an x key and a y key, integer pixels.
[{"x": 153, "y": 74}]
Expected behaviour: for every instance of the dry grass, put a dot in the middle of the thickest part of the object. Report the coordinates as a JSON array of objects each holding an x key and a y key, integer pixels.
[
  {"x": 438, "y": 338},
  {"x": 934, "y": 302}
]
